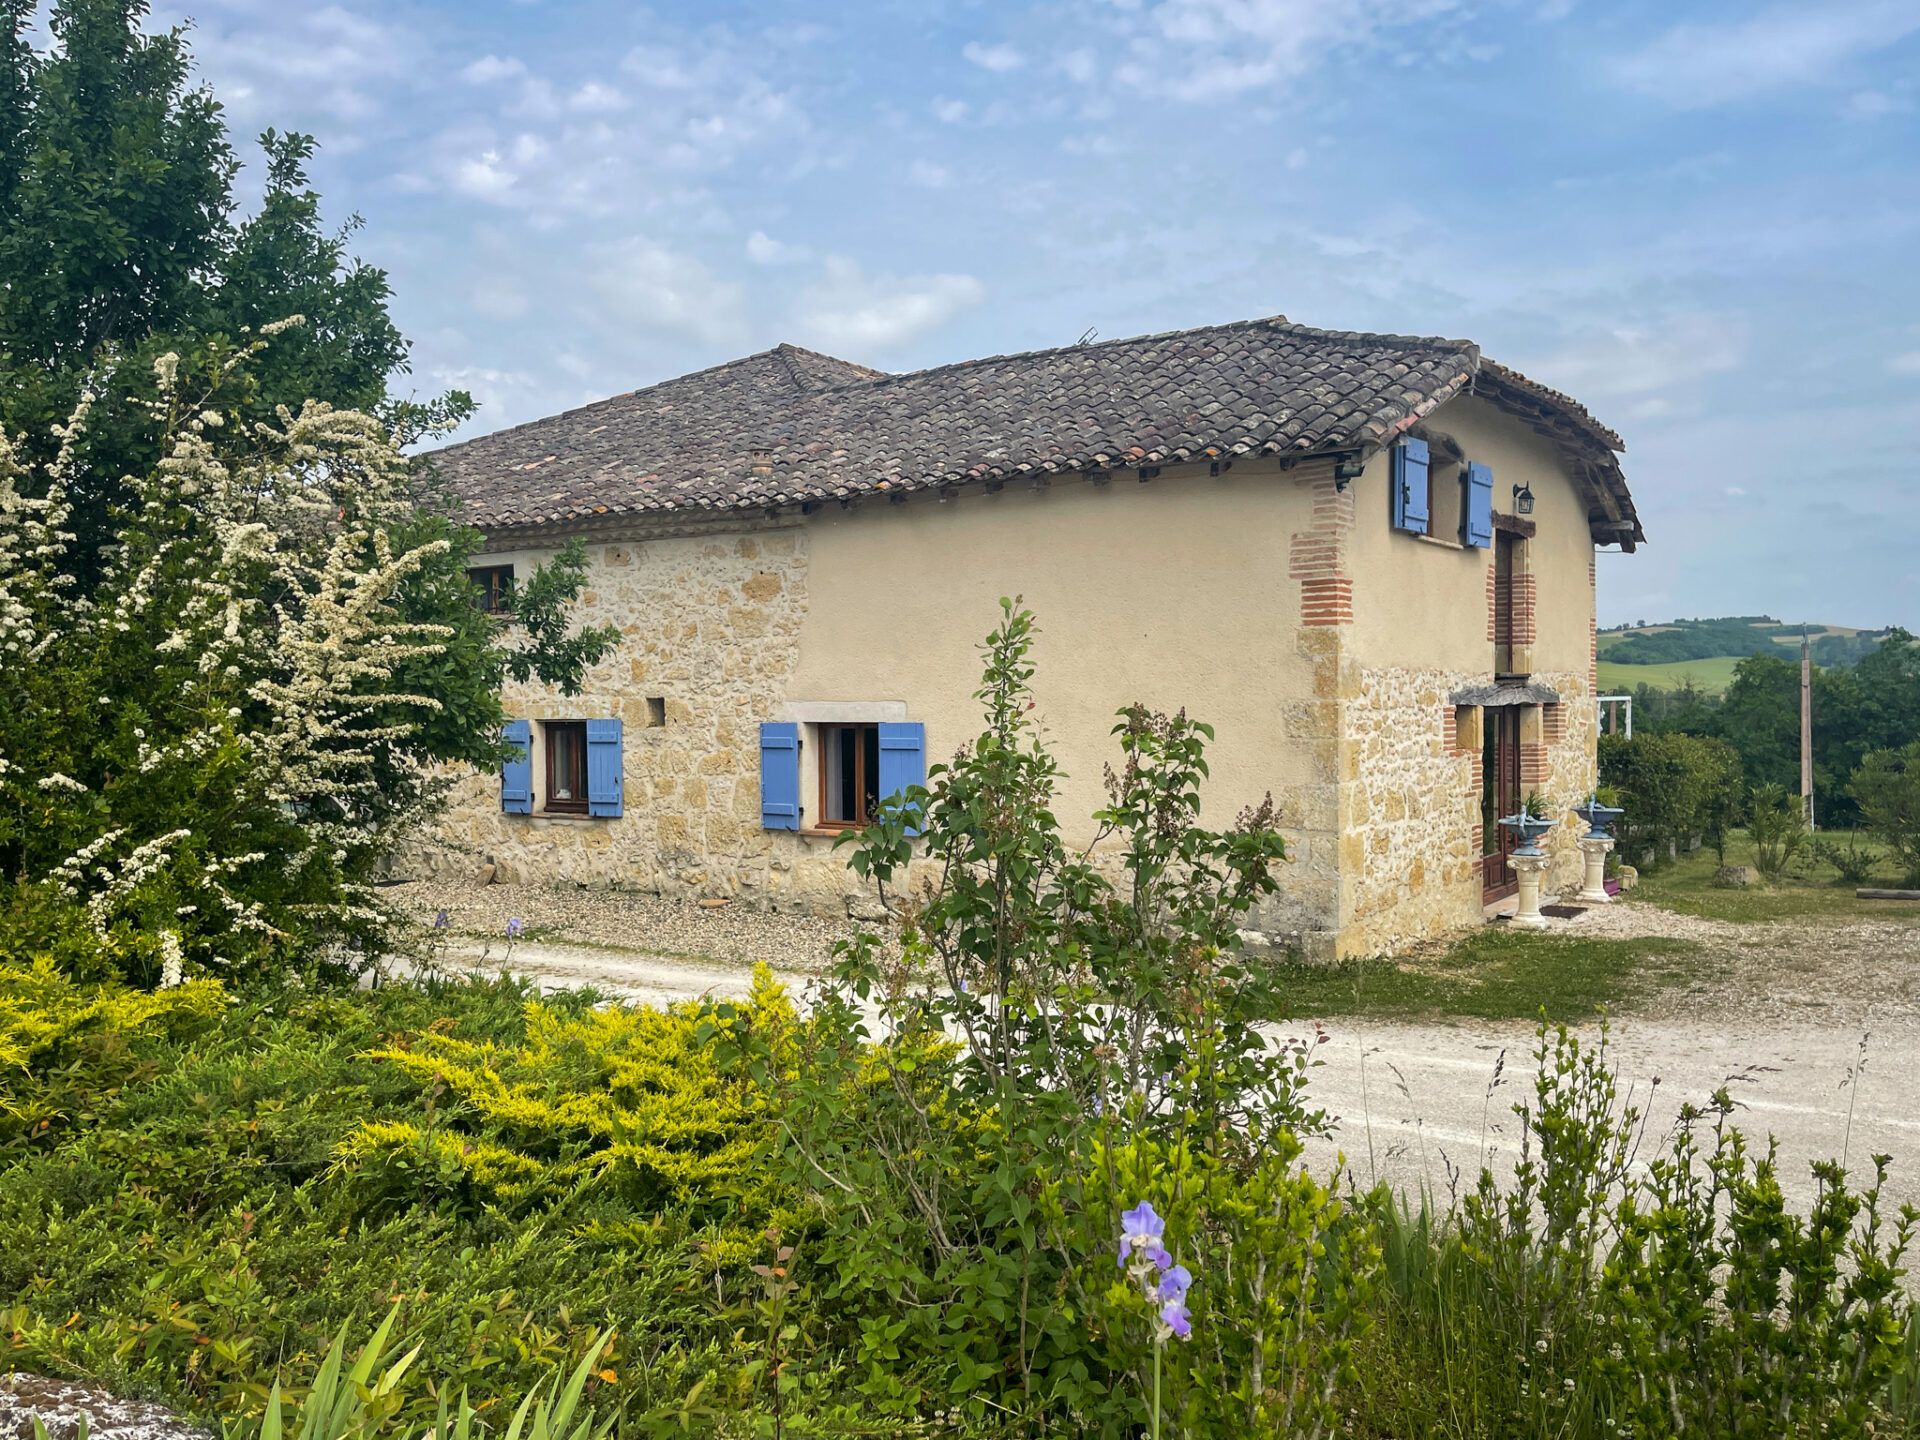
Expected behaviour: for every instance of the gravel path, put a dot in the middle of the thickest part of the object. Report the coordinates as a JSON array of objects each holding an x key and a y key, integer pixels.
[
  {"x": 640, "y": 928},
  {"x": 1821, "y": 972}
]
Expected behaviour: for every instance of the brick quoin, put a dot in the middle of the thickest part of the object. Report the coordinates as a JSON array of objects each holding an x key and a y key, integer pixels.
[
  {"x": 1553, "y": 723},
  {"x": 1533, "y": 765},
  {"x": 1593, "y": 628},
  {"x": 1493, "y": 607},
  {"x": 1317, "y": 558},
  {"x": 1523, "y": 602}
]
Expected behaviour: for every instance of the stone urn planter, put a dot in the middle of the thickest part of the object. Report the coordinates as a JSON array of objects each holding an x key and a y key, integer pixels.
[
  {"x": 1530, "y": 828},
  {"x": 1598, "y": 818}
]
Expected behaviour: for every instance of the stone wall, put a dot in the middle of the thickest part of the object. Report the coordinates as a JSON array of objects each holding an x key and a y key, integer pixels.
[
  {"x": 709, "y": 628},
  {"x": 1411, "y": 794}
]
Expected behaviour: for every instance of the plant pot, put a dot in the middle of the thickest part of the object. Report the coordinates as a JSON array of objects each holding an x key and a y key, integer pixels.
[
  {"x": 1598, "y": 818},
  {"x": 1529, "y": 828}
]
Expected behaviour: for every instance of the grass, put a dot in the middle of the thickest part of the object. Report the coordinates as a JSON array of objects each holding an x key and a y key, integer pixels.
[
  {"x": 1712, "y": 675},
  {"x": 1496, "y": 974},
  {"x": 1810, "y": 892}
]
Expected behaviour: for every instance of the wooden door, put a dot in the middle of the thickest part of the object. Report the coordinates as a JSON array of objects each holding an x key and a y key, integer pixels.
[{"x": 1500, "y": 795}]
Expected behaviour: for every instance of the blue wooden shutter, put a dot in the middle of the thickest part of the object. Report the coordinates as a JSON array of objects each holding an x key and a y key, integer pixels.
[
  {"x": 516, "y": 774},
  {"x": 780, "y": 776},
  {"x": 603, "y": 767},
  {"x": 1476, "y": 524},
  {"x": 903, "y": 759},
  {"x": 1408, "y": 496}
]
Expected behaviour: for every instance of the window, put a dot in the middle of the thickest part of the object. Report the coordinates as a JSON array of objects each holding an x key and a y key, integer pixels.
[
  {"x": 566, "y": 766},
  {"x": 656, "y": 711},
  {"x": 1447, "y": 479},
  {"x": 849, "y": 764},
  {"x": 495, "y": 586}
]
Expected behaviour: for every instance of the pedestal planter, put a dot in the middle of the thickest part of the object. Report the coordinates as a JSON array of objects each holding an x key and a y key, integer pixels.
[
  {"x": 1598, "y": 818},
  {"x": 1530, "y": 828},
  {"x": 1593, "y": 852},
  {"x": 1528, "y": 866}
]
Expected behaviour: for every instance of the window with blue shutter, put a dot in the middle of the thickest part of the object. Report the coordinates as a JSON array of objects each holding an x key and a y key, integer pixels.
[
  {"x": 516, "y": 773},
  {"x": 903, "y": 759},
  {"x": 1476, "y": 523},
  {"x": 1408, "y": 497},
  {"x": 603, "y": 768},
  {"x": 780, "y": 776}
]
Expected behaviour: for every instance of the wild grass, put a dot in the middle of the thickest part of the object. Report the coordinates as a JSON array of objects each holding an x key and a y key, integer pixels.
[
  {"x": 1496, "y": 974},
  {"x": 1811, "y": 891}
]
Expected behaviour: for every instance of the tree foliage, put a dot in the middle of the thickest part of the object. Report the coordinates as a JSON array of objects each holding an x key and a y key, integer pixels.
[
  {"x": 204, "y": 760},
  {"x": 120, "y": 241}
]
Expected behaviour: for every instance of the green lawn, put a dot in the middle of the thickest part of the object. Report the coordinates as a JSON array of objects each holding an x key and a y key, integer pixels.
[
  {"x": 1495, "y": 974},
  {"x": 1713, "y": 675},
  {"x": 1810, "y": 891}
]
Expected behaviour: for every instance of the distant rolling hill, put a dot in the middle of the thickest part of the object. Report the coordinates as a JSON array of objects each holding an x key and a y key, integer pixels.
[
  {"x": 1711, "y": 675},
  {"x": 1670, "y": 654}
]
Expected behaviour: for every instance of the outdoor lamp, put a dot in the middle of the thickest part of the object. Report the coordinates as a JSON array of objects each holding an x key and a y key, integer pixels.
[
  {"x": 1346, "y": 470},
  {"x": 1522, "y": 500}
]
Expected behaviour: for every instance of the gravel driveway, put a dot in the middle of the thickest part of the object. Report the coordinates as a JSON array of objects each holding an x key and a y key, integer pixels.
[{"x": 1783, "y": 1014}]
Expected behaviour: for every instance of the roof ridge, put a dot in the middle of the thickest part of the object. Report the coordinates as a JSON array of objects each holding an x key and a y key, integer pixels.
[{"x": 777, "y": 353}]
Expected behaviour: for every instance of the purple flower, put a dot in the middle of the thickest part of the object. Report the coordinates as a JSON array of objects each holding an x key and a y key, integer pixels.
[
  {"x": 440, "y": 920},
  {"x": 962, "y": 983},
  {"x": 1141, "y": 1229},
  {"x": 1174, "y": 1316},
  {"x": 514, "y": 927},
  {"x": 1174, "y": 1282}
]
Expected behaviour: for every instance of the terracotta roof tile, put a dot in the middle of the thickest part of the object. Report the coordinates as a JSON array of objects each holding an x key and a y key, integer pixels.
[{"x": 832, "y": 429}]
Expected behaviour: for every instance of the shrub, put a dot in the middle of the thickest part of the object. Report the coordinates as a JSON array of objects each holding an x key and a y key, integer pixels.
[
  {"x": 1852, "y": 862},
  {"x": 1777, "y": 826},
  {"x": 1674, "y": 788},
  {"x": 1887, "y": 789},
  {"x": 207, "y": 756}
]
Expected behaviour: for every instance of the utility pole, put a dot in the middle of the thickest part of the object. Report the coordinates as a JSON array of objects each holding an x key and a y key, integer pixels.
[{"x": 1806, "y": 728}]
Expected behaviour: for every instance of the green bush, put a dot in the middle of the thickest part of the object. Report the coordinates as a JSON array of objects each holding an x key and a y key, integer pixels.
[
  {"x": 1887, "y": 789},
  {"x": 1675, "y": 789}
]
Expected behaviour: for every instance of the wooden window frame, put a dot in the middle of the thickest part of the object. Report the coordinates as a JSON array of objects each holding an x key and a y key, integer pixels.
[
  {"x": 577, "y": 805},
  {"x": 495, "y": 584},
  {"x": 824, "y": 736}
]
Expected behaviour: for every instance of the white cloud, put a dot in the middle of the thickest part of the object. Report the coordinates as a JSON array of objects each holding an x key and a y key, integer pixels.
[
  {"x": 593, "y": 98},
  {"x": 949, "y": 112},
  {"x": 1647, "y": 361},
  {"x": 490, "y": 68},
  {"x": 1694, "y": 65},
  {"x": 852, "y": 310},
  {"x": 932, "y": 176},
  {"x": 1228, "y": 46},
  {"x": 998, "y": 58},
  {"x": 1874, "y": 105},
  {"x": 655, "y": 288},
  {"x": 485, "y": 176},
  {"x": 1736, "y": 490},
  {"x": 1079, "y": 66},
  {"x": 763, "y": 249},
  {"x": 1907, "y": 364}
]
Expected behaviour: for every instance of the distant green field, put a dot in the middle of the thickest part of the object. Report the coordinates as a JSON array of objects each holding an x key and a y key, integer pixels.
[{"x": 1713, "y": 675}]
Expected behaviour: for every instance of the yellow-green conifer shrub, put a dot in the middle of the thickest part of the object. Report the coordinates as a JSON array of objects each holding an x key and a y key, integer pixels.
[
  {"x": 59, "y": 1040},
  {"x": 622, "y": 1102}
]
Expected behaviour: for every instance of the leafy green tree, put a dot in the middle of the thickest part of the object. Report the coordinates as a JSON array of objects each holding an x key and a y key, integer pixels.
[{"x": 120, "y": 242}]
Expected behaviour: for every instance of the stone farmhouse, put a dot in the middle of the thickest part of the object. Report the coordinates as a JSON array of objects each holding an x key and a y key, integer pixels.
[{"x": 1368, "y": 560}]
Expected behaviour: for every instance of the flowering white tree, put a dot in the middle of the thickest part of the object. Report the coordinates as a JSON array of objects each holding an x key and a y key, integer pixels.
[{"x": 203, "y": 757}]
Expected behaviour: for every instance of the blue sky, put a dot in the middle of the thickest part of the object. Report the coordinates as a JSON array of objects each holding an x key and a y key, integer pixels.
[{"x": 1702, "y": 220}]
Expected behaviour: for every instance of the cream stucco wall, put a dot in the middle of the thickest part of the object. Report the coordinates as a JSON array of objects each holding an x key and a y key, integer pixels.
[{"x": 1172, "y": 593}]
